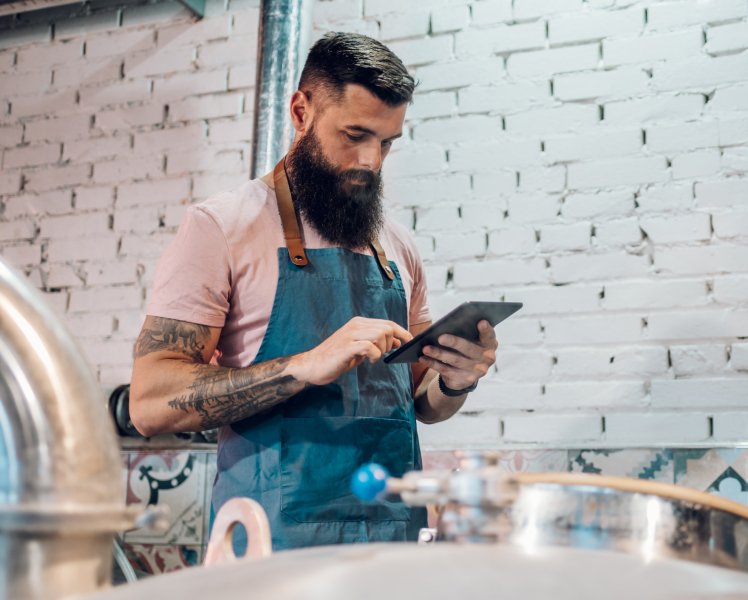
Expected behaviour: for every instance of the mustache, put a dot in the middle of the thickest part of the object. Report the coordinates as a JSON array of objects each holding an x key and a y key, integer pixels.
[{"x": 367, "y": 177}]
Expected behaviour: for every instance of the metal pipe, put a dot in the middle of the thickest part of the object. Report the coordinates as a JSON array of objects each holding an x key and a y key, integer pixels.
[
  {"x": 61, "y": 489},
  {"x": 285, "y": 27}
]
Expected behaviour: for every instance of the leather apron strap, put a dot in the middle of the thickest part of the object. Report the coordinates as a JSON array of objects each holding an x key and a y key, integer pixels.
[{"x": 292, "y": 233}]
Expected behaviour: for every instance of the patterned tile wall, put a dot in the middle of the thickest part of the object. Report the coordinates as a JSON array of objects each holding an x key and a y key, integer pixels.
[{"x": 182, "y": 480}]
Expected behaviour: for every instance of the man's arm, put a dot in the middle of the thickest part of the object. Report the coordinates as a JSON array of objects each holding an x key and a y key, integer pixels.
[
  {"x": 175, "y": 389},
  {"x": 460, "y": 365}
]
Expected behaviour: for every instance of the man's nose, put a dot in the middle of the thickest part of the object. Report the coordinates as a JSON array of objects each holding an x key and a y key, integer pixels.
[{"x": 370, "y": 157}]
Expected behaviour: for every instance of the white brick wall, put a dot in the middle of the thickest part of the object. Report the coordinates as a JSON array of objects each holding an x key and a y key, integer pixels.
[{"x": 585, "y": 158}]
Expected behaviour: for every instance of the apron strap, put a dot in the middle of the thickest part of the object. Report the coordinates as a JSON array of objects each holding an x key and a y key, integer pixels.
[{"x": 290, "y": 223}]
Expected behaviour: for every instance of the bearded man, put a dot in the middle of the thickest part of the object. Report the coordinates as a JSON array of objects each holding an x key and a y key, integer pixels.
[{"x": 274, "y": 304}]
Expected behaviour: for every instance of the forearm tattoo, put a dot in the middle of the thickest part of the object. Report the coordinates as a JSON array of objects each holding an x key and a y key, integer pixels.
[
  {"x": 221, "y": 396},
  {"x": 176, "y": 336}
]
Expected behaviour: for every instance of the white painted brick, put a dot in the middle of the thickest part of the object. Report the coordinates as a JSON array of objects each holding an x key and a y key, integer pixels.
[
  {"x": 331, "y": 10},
  {"x": 112, "y": 376},
  {"x": 424, "y": 50},
  {"x": 429, "y": 190},
  {"x": 49, "y": 203},
  {"x": 505, "y": 151},
  {"x": 499, "y": 272},
  {"x": 145, "y": 246},
  {"x": 679, "y": 14},
  {"x": 484, "y": 215},
  {"x": 531, "y": 9},
  {"x": 499, "y": 39},
  {"x": 739, "y": 356},
  {"x": 520, "y": 331},
  {"x": 582, "y": 362},
  {"x": 436, "y": 218},
  {"x": 533, "y": 208},
  {"x": 10, "y": 182},
  {"x": 112, "y": 273},
  {"x": 542, "y": 179},
  {"x": 700, "y": 393},
  {"x": 132, "y": 16},
  {"x": 83, "y": 248},
  {"x": 145, "y": 193},
  {"x": 512, "y": 240},
  {"x": 554, "y": 238},
  {"x": 589, "y": 205},
  {"x": 653, "y": 109},
  {"x": 451, "y": 246},
  {"x": 415, "y": 160},
  {"x": 681, "y": 228},
  {"x": 404, "y": 25},
  {"x": 243, "y": 76},
  {"x": 702, "y": 72},
  {"x": 435, "y": 104},
  {"x": 523, "y": 365},
  {"x": 105, "y": 299},
  {"x": 561, "y": 299},
  {"x": 664, "y": 198},
  {"x": 175, "y": 138},
  {"x": 688, "y": 136},
  {"x": 67, "y": 29},
  {"x": 210, "y": 27},
  {"x": 94, "y": 198},
  {"x": 183, "y": 85},
  {"x": 735, "y": 161},
  {"x": 247, "y": 22},
  {"x": 85, "y": 326},
  {"x": 726, "y": 38},
  {"x": 54, "y": 177},
  {"x": 640, "y": 361},
  {"x": 41, "y": 56},
  {"x": 231, "y": 130},
  {"x": 730, "y": 426},
  {"x": 545, "y": 121},
  {"x": 11, "y": 135},
  {"x": 698, "y": 359},
  {"x": 205, "y": 186},
  {"x": 729, "y": 99},
  {"x": 730, "y": 289},
  {"x": 225, "y": 161},
  {"x": 457, "y": 129},
  {"x": 58, "y": 128},
  {"x": 594, "y": 394},
  {"x": 489, "y": 12},
  {"x": 425, "y": 246},
  {"x": 498, "y": 396},
  {"x": 120, "y": 43},
  {"x": 552, "y": 428},
  {"x": 33, "y": 155},
  {"x": 592, "y": 330},
  {"x": 656, "y": 428},
  {"x": 653, "y": 47},
  {"x": 96, "y": 148},
  {"x": 86, "y": 73},
  {"x": 17, "y": 230},
  {"x": 74, "y": 225},
  {"x": 728, "y": 192},
  {"x": 544, "y": 63},
  {"x": 596, "y": 144},
  {"x": 129, "y": 323},
  {"x": 470, "y": 430},
  {"x": 129, "y": 118},
  {"x": 229, "y": 52},
  {"x": 22, "y": 255},
  {"x": 109, "y": 352},
  {"x": 696, "y": 164},
  {"x": 697, "y": 324},
  {"x": 123, "y": 169},
  {"x": 207, "y": 107},
  {"x": 164, "y": 61},
  {"x": 734, "y": 224},
  {"x": 617, "y": 233},
  {"x": 597, "y": 84},
  {"x": 33, "y": 82},
  {"x": 436, "y": 275},
  {"x": 612, "y": 173},
  {"x": 733, "y": 131},
  {"x": 700, "y": 259},
  {"x": 504, "y": 98},
  {"x": 586, "y": 267},
  {"x": 457, "y": 74},
  {"x": 44, "y": 104},
  {"x": 114, "y": 94},
  {"x": 622, "y": 295},
  {"x": 595, "y": 25},
  {"x": 488, "y": 185},
  {"x": 22, "y": 36},
  {"x": 59, "y": 276}
]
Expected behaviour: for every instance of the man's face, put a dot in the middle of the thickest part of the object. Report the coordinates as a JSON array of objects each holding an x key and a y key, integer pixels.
[{"x": 335, "y": 164}]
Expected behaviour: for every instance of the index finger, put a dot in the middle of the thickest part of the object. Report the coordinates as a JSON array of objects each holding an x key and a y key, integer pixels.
[{"x": 399, "y": 332}]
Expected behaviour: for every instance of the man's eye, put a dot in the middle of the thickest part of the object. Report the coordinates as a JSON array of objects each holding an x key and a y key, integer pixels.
[
  {"x": 354, "y": 138},
  {"x": 387, "y": 143}
]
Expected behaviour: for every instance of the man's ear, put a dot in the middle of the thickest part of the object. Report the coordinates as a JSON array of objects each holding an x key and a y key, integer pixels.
[{"x": 301, "y": 111}]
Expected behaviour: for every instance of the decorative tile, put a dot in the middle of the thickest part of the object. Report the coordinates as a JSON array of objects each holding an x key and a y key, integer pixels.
[
  {"x": 537, "y": 461},
  {"x": 210, "y": 476},
  {"x": 654, "y": 464},
  {"x": 439, "y": 460},
  {"x": 153, "y": 559},
  {"x": 722, "y": 471},
  {"x": 175, "y": 480}
]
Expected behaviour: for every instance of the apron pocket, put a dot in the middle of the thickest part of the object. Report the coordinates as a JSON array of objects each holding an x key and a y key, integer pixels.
[{"x": 319, "y": 457}]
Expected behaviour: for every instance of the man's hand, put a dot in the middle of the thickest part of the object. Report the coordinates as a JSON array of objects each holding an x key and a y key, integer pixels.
[
  {"x": 358, "y": 340},
  {"x": 461, "y": 363}
]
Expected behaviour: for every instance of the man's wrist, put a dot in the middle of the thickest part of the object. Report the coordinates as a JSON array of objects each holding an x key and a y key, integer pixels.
[{"x": 453, "y": 393}]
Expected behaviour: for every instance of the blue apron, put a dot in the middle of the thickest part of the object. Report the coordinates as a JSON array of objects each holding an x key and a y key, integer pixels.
[{"x": 297, "y": 459}]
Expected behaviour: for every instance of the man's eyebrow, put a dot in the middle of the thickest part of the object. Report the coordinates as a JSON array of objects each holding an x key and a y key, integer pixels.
[{"x": 362, "y": 129}]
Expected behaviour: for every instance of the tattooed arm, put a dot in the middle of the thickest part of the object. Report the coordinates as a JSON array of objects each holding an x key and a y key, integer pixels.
[{"x": 175, "y": 389}]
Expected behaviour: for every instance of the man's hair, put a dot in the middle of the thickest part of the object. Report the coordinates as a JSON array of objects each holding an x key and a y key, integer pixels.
[{"x": 338, "y": 59}]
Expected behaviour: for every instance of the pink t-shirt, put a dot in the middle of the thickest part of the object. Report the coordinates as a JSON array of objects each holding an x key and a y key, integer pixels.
[{"x": 221, "y": 270}]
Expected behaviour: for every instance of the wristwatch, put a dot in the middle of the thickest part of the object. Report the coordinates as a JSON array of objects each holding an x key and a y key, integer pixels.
[{"x": 448, "y": 391}]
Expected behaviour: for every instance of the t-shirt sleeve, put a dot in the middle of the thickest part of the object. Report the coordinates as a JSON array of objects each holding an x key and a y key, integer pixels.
[
  {"x": 419, "y": 303},
  {"x": 193, "y": 278}
]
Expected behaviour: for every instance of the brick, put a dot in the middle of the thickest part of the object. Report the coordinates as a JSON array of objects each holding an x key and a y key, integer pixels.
[
  {"x": 118, "y": 93},
  {"x": 523, "y": 365},
  {"x": 205, "y": 186},
  {"x": 739, "y": 356},
  {"x": 163, "y": 61},
  {"x": 665, "y": 198},
  {"x": 477, "y": 429},
  {"x": 457, "y": 74},
  {"x": 612, "y": 173},
  {"x": 50, "y": 203},
  {"x": 121, "y": 43},
  {"x": 696, "y": 164},
  {"x": 129, "y": 323},
  {"x": 33, "y": 82},
  {"x": 436, "y": 275},
  {"x": 207, "y": 107},
  {"x": 602, "y": 143},
  {"x": 727, "y": 192},
  {"x": 593, "y": 394},
  {"x": 231, "y": 130},
  {"x": 640, "y": 361},
  {"x": 427, "y": 191},
  {"x": 544, "y": 63},
  {"x": 22, "y": 255},
  {"x": 499, "y": 39},
  {"x": 436, "y": 218},
  {"x": 617, "y": 233},
  {"x": 550, "y": 300},
  {"x": 593, "y": 329},
  {"x": 726, "y": 38},
  {"x": 735, "y": 160},
  {"x": 74, "y": 226},
  {"x": 544, "y": 121},
  {"x": 140, "y": 219},
  {"x": 586, "y": 362},
  {"x": 698, "y": 359},
  {"x": 552, "y": 428},
  {"x": 165, "y": 191},
  {"x": 94, "y": 198},
  {"x": 184, "y": 85},
  {"x": 30, "y": 34},
  {"x": 654, "y": 109},
  {"x": 684, "y": 136},
  {"x": 488, "y": 185},
  {"x": 10, "y": 182},
  {"x": 233, "y": 51},
  {"x": 653, "y": 47},
  {"x": 734, "y": 224},
  {"x": 588, "y": 205},
  {"x": 449, "y": 18},
  {"x": 59, "y": 276},
  {"x": 227, "y": 161},
  {"x": 656, "y": 428},
  {"x": 504, "y": 98},
  {"x": 730, "y": 289},
  {"x": 729, "y": 99},
  {"x": 86, "y": 248},
  {"x": 133, "y": 16},
  {"x": 89, "y": 325},
  {"x": 700, "y": 393},
  {"x": 456, "y": 130},
  {"x": 519, "y": 331},
  {"x": 733, "y": 132},
  {"x": 44, "y": 104},
  {"x": 699, "y": 259},
  {"x": 108, "y": 299},
  {"x": 96, "y": 148},
  {"x": 145, "y": 246},
  {"x": 594, "y": 25},
  {"x": 703, "y": 72},
  {"x": 86, "y": 73},
  {"x": 453, "y": 246},
  {"x": 109, "y": 352},
  {"x": 622, "y": 295},
  {"x": 190, "y": 33},
  {"x": 533, "y": 208},
  {"x": 424, "y": 50},
  {"x": 30, "y": 156},
  {"x": 11, "y": 135},
  {"x": 498, "y": 396},
  {"x": 554, "y": 238},
  {"x": 53, "y": 177},
  {"x": 586, "y": 267},
  {"x": 480, "y": 215},
  {"x": 701, "y": 324},
  {"x": 694, "y": 12},
  {"x": 542, "y": 179},
  {"x": 17, "y": 230},
  {"x": 243, "y": 76},
  {"x": 65, "y": 128},
  {"x": 600, "y": 84},
  {"x": 491, "y": 11},
  {"x": 115, "y": 272},
  {"x": 435, "y": 104},
  {"x": 129, "y": 118},
  {"x": 730, "y": 426},
  {"x": 413, "y": 23},
  {"x": 173, "y": 138},
  {"x": 80, "y": 26},
  {"x": 499, "y": 272},
  {"x": 173, "y": 215},
  {"x": 122, "y": 170},
  {"x": 331, "y": 10},
  {"x": 41, "y": 56},
  {"x": 415, "y": 160},
  {"x": 505, "y": 151},
  {"x": 673, "y": 229}
]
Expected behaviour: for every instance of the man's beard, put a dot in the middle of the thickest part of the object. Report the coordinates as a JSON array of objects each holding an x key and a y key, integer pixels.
[{"x": 345, "y": 207}]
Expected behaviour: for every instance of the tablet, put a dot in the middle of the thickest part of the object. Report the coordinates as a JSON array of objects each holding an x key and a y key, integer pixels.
[{"x": 462, "y": 322}]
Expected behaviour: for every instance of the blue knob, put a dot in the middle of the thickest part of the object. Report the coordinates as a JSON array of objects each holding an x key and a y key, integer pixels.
[{"x": 369, "y": 481}]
